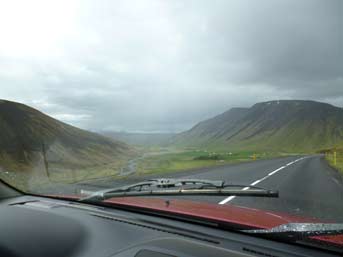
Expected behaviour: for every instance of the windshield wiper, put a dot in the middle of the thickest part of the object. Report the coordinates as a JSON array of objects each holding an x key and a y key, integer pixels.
[
  {"x": 165, "y": 187},
  {"x": 299, "y": 231}
]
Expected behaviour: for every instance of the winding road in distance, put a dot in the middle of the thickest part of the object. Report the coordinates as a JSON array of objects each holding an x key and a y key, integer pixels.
[{"x": 307, "y": 185}]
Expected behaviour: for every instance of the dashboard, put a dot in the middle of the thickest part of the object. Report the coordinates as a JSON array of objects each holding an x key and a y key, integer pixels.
[{"x": 38, "y": 226}]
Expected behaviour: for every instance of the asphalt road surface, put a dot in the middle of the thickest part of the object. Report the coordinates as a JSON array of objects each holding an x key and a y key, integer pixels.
[{"x": 307, "y": 186}]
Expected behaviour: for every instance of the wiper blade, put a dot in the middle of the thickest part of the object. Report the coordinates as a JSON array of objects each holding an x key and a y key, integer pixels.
[
  {"x": 170, "y": 182},
  {"x": 299, "y": 231},
  {"x": 165, "y": 187}
]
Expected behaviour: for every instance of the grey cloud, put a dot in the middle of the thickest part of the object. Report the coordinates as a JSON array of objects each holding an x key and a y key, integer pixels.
[{"x": 165, "y": 65}]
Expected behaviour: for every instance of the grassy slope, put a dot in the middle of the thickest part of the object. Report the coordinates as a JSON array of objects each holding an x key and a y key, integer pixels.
[
  {"x": 71, "y": 153},
  {"x": 289, "y": 126}
]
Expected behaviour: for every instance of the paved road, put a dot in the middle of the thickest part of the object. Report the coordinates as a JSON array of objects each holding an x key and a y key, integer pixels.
[{"x": 307, "y": 185}]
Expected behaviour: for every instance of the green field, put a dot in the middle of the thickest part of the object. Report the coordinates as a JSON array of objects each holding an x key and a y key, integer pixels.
[{"x": 191, "y": 159}]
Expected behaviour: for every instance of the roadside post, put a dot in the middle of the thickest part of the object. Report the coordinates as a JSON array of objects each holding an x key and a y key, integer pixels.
[{"x": 335, "y": 158}]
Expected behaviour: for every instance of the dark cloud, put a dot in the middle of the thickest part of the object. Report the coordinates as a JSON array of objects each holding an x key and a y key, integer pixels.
[{"x": 165, "y": 65}]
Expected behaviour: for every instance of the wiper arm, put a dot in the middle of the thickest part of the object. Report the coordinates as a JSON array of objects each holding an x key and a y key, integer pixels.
[
  {"x": 165, "y": 186},
  {"x": 299, "y": 231}
]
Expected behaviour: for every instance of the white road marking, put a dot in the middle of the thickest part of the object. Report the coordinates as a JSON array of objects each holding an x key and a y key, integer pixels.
[
  {"x": 228, "y": 199},
  {"x": 273, "y": 172},
  {"x": 256, "y": 182}
]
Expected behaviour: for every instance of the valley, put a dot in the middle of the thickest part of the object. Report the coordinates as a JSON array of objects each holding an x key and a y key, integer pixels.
[{"x": 37, "y": 149}]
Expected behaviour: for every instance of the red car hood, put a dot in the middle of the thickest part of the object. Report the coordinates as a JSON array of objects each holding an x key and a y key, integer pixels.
[{"x": 226, "y": 215}]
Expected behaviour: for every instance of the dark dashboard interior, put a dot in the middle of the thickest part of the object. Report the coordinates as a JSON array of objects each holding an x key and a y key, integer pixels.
[{"x": 36, "y": 226}]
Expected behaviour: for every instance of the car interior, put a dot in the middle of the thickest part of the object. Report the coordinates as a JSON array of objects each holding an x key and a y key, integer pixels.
[{"x": 44, "y": 226}]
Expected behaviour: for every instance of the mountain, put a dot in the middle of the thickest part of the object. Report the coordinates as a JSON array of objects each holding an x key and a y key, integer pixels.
[
  {"x": 141, "y": 139},
  {"x": 31, "y": 140},
  {"x": 286, "y": 125}
]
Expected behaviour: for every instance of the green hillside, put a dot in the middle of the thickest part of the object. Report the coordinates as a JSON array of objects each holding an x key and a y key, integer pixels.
[
  {"x": 32, "y": 142},
  {"x": 287, "y": 125}
]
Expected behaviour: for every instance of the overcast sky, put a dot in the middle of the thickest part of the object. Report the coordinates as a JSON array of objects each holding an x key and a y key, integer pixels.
[{"x": 162, "y": 66}]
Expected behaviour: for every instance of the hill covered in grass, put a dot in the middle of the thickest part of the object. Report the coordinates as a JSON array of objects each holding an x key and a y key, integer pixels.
[
  {"x": 31, "y": 141},
  {"x": 287, "y": 125}
]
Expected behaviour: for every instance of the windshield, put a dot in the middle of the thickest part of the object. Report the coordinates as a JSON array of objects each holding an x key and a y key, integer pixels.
[{"x": 97, "y": 96}]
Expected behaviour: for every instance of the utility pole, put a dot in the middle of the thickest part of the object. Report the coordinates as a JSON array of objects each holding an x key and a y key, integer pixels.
[{"x": 46, "y": 163}]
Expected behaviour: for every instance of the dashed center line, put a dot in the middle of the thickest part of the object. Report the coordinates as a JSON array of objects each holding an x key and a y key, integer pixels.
[
  {"x": 228, "y": 199},
  {"x": 273, "y": 172},
  {"x": 256, "y": 182}
]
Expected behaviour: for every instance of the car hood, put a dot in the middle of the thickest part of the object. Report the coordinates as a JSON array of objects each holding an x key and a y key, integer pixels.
[{"x": 228, "y": 215}]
